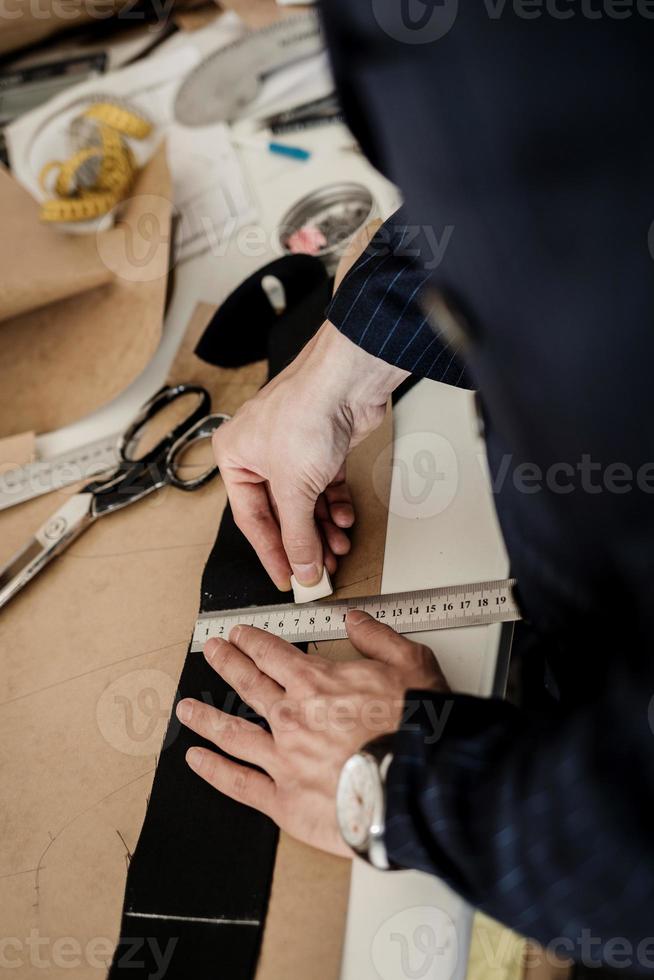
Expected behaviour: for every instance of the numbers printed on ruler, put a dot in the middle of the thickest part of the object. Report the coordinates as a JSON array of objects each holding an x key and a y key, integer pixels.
[{"x": 479, "y": 604}]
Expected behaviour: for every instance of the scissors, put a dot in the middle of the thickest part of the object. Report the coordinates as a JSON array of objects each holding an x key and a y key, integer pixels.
[{"x": 135, "y": 477}]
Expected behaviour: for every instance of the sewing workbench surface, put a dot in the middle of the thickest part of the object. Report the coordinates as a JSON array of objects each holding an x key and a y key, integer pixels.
[{"x": 446, "y": 536}]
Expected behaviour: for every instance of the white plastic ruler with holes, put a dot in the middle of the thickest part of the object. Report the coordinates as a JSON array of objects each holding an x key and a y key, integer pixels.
[
  {"x": 446, "y": 607},
  {"x": 21, "y": 483}
]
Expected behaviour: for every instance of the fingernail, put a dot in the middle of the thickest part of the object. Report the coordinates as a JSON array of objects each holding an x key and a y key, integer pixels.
[
  {"x": 356, "y": 616},
  {"x": 234, "y": 634},
  {"x": 307, "y": 575},
  {"x": 184, "y": 711},
  {"x": 194, "y": 758},
  {"x": 210, "y": 648}
]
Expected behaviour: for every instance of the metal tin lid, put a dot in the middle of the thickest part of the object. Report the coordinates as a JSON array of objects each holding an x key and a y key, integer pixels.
[{"x": 330, "y": 217}]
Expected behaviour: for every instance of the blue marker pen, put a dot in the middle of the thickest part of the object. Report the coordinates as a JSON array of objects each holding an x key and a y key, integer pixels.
[{"x": 283, "y": 149}]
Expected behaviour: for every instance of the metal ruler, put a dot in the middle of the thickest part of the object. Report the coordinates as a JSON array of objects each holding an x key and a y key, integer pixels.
[
  {"x": 45, "y": 475},
  {"x": 446, "y": 607}
]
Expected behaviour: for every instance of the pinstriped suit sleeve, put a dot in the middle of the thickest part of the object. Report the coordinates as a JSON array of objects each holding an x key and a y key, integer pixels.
[
  {"x": 380, "y": 306},
  {"x": 540, "y": 823}
]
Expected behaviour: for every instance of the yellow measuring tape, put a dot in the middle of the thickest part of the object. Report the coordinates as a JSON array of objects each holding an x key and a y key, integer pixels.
[
  {"x": 121, "y": 119},
  {"x": 100, "y": 173}
]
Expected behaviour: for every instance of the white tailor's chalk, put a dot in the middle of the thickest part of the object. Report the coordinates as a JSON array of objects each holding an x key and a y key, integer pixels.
[{"x": 303, "y": 593}]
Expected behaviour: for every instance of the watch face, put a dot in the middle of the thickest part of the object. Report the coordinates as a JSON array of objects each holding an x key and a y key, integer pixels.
[{"x": 358, "y": 800}]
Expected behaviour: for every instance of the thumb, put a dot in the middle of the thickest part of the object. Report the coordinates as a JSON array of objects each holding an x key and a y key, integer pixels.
[{"x": 301, "y": 538}]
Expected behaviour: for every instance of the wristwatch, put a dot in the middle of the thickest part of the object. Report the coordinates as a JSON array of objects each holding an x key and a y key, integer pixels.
[{"x": 361, "y": 801}]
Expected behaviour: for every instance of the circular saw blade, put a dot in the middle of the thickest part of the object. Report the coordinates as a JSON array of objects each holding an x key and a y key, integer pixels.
[{"x": 228, "y": 80}]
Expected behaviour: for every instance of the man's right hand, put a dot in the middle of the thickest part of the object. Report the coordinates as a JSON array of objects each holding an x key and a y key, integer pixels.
[{"x": 282, "y": 456}]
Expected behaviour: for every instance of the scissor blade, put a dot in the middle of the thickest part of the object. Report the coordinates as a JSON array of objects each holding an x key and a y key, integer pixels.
[{"x": 50, "y": 539}]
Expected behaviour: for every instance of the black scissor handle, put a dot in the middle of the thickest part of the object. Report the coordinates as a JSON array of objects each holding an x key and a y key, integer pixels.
[
  {"x": 131, "y": 437},
  {"x": 203, "y": 429}
]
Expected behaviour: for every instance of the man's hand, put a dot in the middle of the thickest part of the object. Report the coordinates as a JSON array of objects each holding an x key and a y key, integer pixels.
[
  {"x": 282, "y": 456},
  {"x": 319, "y": 714}
]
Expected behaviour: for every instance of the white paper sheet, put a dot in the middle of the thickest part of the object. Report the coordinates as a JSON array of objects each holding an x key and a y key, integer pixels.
[{"x": 209, "y": 186}]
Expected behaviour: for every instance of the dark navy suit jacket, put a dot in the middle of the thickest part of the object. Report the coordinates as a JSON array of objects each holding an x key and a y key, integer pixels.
[{"x": 531, "y": 140}]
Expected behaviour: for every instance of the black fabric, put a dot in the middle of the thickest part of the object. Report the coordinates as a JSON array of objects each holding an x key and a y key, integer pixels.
[
  {"x": 238, "y": 332},
  {"x": 158, "y": 949},
  {"x": 200, "y": 855}
]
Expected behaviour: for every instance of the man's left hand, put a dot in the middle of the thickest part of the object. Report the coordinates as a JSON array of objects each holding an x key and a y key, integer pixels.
[{"x": 319, "y": 713}]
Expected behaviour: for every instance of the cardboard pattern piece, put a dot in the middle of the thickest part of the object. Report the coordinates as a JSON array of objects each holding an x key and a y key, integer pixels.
[
  {"x": 94, "y": 305},
  {"x": 40, "y": 265},
  {"x": 92, "y": 651}
]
